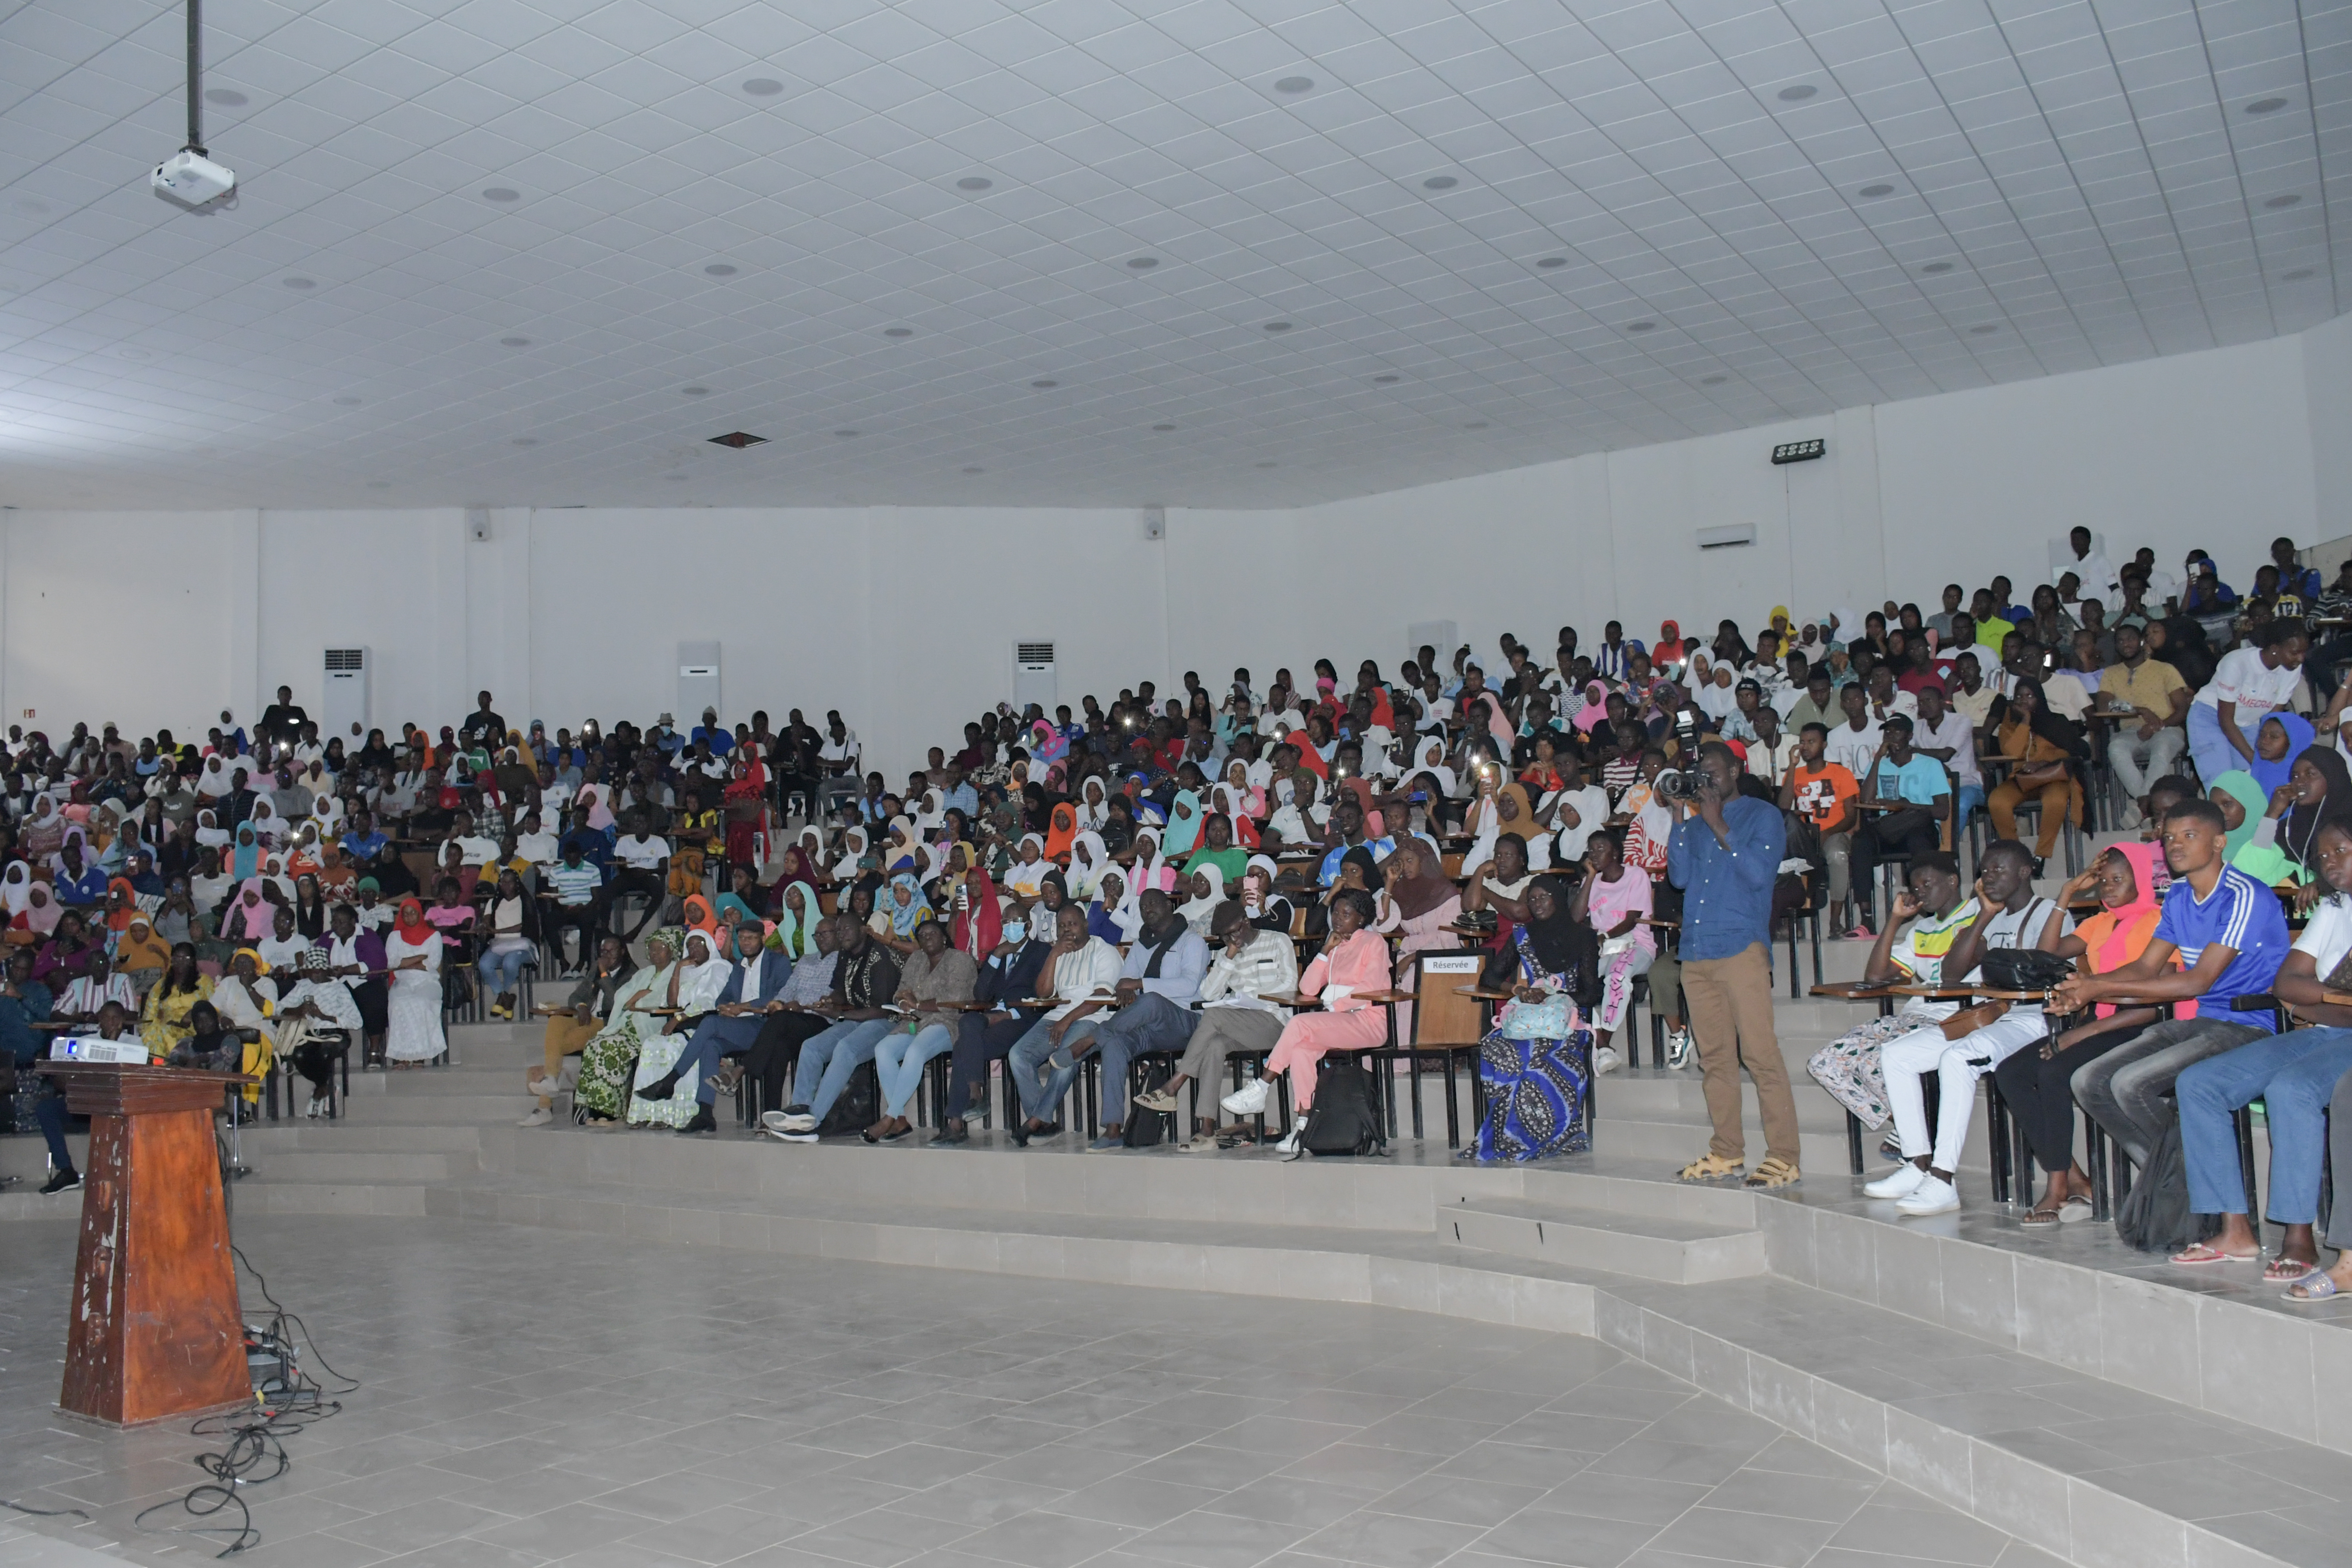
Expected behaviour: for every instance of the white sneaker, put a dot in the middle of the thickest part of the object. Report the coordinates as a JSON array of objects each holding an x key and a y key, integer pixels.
[
  {"x": 1606, "y": 1059},
  {"x": 1247, "y": 1101},
  {"x": 793, "y": 1119},
  {"x": 1289, "y": 1145},
  {"x": 538, "y": 1117},
  {"x": 1899, "y": 1183},
  {"x": 1678, "y": 1047},
  {"x": 1933, "y": 1196}
]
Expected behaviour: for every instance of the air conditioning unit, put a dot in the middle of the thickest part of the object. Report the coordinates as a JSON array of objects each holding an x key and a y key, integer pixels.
[
  {"x": 1033, "y": 678},
  {"x": 343, "y": 696},
  {"x": 1737, "y": 534}
]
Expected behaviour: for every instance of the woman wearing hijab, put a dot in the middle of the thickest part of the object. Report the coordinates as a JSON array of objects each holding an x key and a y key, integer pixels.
[
  {"x": 309, "y": 908},
  {"x": 1183, "y": 825},
  {"x": 2317, "y": 787},
  {"x": 2046, "y": 749},
  {"x": 695, "y": 981},
  {"x": 1205, "y": 889},
  {"x": 1535, "y": 1061},
  {"x": 1112, "y": 916},
  {"x": 1419, "y": 899},
  {"x": 2036, "y": 1083},
  {"x": 979, "y": 919},
  {"x": 44, "y": 832},
  {"x": 2249, "y": 840},
  {"x": 609, "y": 1060},
  {"x": 2278, "y": 742},
  {"x": 796, "y": 917},
  {"x": 800, "y": 863},
  {"x": 33, "y": 924},
  {"x": 139, "y": 955},
  {"x": 245, "y": 860},
  {"x": 907, "y": 907},
  {"x": 164, "y": 1021},
  {"x": 1089, "y": 858},
  {"x": 1267, "y": 908},
  {"x": 411, "y": 951}
]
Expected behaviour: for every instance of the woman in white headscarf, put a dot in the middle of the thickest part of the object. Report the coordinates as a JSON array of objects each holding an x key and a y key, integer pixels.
[
  {"x": 1094, "y": 806},
  {"x": 215, "y": 779},
  {"x": 694, "y": 985},
  {"x": 268, "y": 826},
  {"x": 16, "y": 889},
  {"x": 1027, "y": 873},
  {"x": 43, "y": 832},
  {"x": 1207, "y": 887},
  {"x": 1089, "y": 858},
  {"x": 210, "y": 833},
  {"x": 1429, "y": 757},
  {"x": 853, "y": 849},
  {"x": 929, "y": 813}
]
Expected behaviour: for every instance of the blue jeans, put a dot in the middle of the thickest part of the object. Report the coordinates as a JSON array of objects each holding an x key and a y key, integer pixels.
[
  {"x": 2293, "y": 1075},
  {"x": 1970, "y": 800},
  {"x": 501, "y": 972},
  {"x": 827, "y": 1061},
  {"x": 50, "y": 1113},
  {"x": 1036, "y": 1052},
  {"x": 1151, "y": 1023},
  {"x": 899, "y": 1061},
  {"x": 2210, "y": 749},
  {"x": 714, "y": 1038}
]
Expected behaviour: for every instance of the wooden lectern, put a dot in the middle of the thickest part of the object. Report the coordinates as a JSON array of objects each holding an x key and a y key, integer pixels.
[{"x": 155, "y": 1330}]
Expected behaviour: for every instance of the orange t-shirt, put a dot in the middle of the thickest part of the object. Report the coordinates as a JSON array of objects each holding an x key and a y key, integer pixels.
[{"x": 1822, "y": 793}]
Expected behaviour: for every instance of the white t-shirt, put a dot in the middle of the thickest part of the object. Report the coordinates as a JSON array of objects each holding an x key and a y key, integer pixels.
[
  {"x": 2021, "y": 928},
  {"x": 1955, "y": 732},
  {"x": 2067, "y": 697},
  {"x": 2328, "y": 937},
  {"x": 1853, "y": 749},
  {"x": 1771, "y": 763},
  {"x": 541, "y": 848},
  {"x": 640, "y": 854},
  {"x": 2243, "y": 679}
]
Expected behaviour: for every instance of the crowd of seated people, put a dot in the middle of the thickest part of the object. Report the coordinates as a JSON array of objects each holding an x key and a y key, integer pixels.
[{"x": 1185, "y": 876}]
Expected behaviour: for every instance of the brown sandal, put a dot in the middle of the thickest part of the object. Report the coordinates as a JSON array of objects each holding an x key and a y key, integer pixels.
[
  {"x": 1710, "y": 1168},
  {"x": 1773, "y": 1172}
]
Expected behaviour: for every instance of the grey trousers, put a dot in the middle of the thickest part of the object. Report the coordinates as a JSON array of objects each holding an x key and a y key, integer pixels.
[
  {"x": 1221, "y": 1032},
  {"x": 2124, "y": 1090}
]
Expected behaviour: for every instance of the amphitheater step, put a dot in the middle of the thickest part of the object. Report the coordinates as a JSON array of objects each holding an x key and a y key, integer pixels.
[{"x": 1648, "y": 1246}]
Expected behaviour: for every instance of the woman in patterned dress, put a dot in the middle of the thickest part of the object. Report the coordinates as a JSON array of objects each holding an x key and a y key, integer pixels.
[
  {"x": 609, "y": 1059},
  {"x": 1536, "y": 1062},
  {"x": 1936, "y": 910},
  {"x": 695, "y": 981}
]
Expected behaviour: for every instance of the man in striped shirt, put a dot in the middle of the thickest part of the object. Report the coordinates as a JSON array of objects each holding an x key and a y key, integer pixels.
[{"x": 578, "y": 890}]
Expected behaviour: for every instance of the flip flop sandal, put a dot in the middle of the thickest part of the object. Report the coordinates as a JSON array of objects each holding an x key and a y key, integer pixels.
[
  {"x": 2316, "y": 1286},
  {"x": 2040, "y": 1219},
  {"x": 1773, "y": 1172},
  {"x": 2202, "y": 1254},
  {"x": 2286, "y": 1270},
  {"x": 2074, "y": 1211},
  {"x": 1711, "y": 1168}
]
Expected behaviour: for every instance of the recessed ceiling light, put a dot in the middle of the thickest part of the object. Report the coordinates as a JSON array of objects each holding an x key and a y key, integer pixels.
[
  {"x": 1476, "y": 425},
  {"x": 1987, "y": 327},
  {"x": 2266, "y": 106},
  {"x": 1277, "y": 326},
  {"x": 514, "y": 342},
  {"x": 1936, "y": 267},
  {"x": 696, "y": 391},
  {"x": 2297, "y": 276},
  {"x": 2285, "y": 201},
  {"x": 897, "y": 331},
  {"x": 1641, "y": 326},
  {"x": 347, "y": 403},
  {"x": 974, "y": 183},
  {"x": 1295, "y": 84},
  {"x": 1143, "y": 263},
  {"x": 526, "y": 441},
  {"x": 229, "y": 98},
  {"x": 972, "y": 470},
  {"x": 1875, "y": 192},
  {"x": 1045, "y": 386},
  {"x": 501, "y": 194},
  {"x": 1386, "y": 380},
  {"x": 844, "y": 434},
  {"x": 1551, "y": 262},
  {"x": 299, "y": 282},
  {"x": 1713, "y": 380},
  {"x": 721, "y": 270},
  {"x": 1163, "y": 428},
  {"x": 763, "y": 87},
  {"x": 1439, "y": 182},
  {"x": 1266, "y": 465},
  {"x": 1799, "y": 93}
]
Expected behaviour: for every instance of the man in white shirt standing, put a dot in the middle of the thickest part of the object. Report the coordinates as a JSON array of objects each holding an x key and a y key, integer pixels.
[
  {"x": 644, "y": 869},
  {"x": 2083, "y": 555}
]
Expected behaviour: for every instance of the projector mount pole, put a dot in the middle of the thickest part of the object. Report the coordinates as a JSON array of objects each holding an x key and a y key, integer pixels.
[{"x": 196, "y": 67}]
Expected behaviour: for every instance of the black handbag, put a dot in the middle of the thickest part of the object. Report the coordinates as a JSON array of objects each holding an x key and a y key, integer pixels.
[{"x": 2023, "y": 969}]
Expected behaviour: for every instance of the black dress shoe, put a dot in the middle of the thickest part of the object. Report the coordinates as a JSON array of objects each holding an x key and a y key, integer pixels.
[
  {"x": 703, "y": 1121},
  {"x": 661, "y": 1088},
  {"x": 1050, "y": 1130},
  {"x": 960, "y": 1135}
]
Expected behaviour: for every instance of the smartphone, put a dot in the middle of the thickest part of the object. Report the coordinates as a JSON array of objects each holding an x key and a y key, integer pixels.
[{"x": 1419, "y": 797}]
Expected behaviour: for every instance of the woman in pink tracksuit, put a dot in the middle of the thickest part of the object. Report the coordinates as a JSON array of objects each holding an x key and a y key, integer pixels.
[{"x": 1354, "y": 961}]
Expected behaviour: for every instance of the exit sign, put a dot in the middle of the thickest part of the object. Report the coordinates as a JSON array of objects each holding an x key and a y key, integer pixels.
[{"x": 1798, "y": 451}]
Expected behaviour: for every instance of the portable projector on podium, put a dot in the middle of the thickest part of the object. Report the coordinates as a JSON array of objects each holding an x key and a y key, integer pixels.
[{"x": 90, "y": 1049}]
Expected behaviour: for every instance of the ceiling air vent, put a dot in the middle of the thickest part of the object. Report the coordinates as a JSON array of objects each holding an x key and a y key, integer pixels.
[{"x": 739, "y": 440}]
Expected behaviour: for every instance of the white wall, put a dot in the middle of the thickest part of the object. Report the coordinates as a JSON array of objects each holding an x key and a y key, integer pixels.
[{"x": 905, "y": 617}]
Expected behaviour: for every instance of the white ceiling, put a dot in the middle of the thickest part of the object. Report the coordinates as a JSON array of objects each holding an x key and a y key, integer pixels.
[{"x": 2070, "y": 184}]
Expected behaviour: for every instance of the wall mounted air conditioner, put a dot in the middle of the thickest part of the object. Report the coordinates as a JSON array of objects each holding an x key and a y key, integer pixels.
[
  {"x": 1033, "y": 678},
  {"x": 343, "y": 696},
  {"x": 1736, "y": 533}
]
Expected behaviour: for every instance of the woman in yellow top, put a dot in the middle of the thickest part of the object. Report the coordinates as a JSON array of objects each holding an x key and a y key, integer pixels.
[
  {"x": 164, "y": 1021},
  {"x": 2047, "y": 747}
]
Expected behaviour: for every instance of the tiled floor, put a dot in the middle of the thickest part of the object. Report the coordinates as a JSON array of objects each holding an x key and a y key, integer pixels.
[{"x": 532, "y": 1397}]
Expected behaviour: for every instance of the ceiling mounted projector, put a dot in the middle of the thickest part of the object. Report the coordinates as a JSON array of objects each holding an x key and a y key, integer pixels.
[
  {"x": 193, "y": 178},
  {"x": 188, "y": 175}
]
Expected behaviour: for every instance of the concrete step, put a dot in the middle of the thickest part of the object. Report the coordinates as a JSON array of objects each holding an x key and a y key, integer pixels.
[
  {"x": 356, "y": 1166},
  {"x": 452, "y": 1110},
  {"x": 1648, "y": 1246}
]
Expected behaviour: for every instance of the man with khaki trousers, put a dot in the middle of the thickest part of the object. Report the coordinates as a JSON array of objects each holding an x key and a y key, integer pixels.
[{"x": 1724, "y": 853}]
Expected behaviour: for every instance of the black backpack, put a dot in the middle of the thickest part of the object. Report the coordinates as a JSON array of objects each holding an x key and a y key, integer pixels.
[
  {"x": 1345, "y": 1118},
  {"x": 1148, "y": 1128},
  {"x": 860, "y": 1107},
  {"x": 2155, "y": 1215}
]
